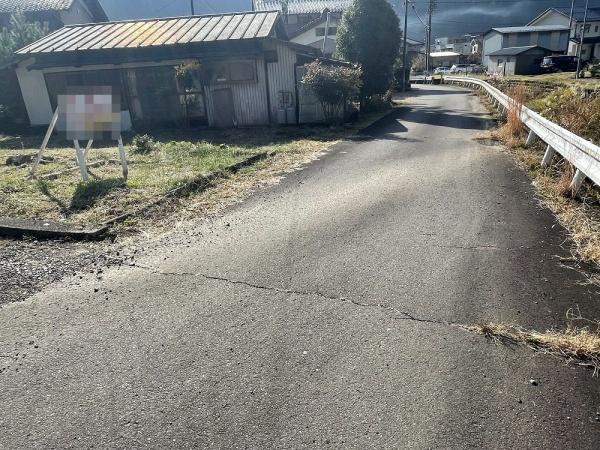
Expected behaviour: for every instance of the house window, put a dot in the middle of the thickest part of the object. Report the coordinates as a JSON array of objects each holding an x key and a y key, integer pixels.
[
  {"x": 596, "y": 29},
  {"x": 587, "y": 28},
  {"x": 234, "y": 72}
]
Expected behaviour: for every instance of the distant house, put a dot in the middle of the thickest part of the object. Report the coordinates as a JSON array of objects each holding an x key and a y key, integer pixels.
[
  {"x": 562, "y": 17},
  {"x": 244, "y": 71},
  {"x": 553, "y": 38},
  {"x": 444, "y": 59},
  {"x": 466, "y": 45},
  {"x": 517, "y": 60},
  {"x": 309, "y": 22},
  {"x": 56, "y": 13}
]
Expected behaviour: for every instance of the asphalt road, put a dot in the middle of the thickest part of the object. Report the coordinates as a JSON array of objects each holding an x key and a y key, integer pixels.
[{"x": 318, "y": 313}]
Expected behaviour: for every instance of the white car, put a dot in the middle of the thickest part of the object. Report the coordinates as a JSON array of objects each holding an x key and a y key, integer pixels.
[{"x": 442, "y": 70}]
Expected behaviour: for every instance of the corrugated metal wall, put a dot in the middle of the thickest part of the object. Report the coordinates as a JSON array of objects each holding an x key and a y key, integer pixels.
[
  {"x": 282, "y": 84},
  {"x": 249, "y": 99}
]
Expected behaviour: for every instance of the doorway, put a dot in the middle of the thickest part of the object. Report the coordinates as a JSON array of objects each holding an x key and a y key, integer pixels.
[{"x": 223, "y": 108}]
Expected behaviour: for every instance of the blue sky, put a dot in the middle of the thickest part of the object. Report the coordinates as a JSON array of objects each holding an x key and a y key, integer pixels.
[{"x": 452, "y": 17}]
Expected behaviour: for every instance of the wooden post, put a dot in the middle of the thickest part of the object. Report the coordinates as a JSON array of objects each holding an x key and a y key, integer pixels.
[
  {"x": 81, "y": 160},
  {"x": 36, "y": 162},
  {"x": 577, "y": 181},
  {"x": 548, "y": 156},
  {"x": 123, "y": 158}
]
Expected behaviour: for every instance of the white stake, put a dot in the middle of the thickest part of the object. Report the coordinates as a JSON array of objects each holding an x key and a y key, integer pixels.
[
  {"x": 36, "y": 162},
  {"x": 81, "y": 160}
]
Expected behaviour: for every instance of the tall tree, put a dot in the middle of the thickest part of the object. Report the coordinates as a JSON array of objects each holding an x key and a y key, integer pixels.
[
  {"x": 369, "y": 34},
  {"x": 18, "y": 34}
]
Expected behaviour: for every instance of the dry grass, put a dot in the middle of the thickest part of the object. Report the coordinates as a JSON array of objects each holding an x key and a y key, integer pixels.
[
  {"x": 180, "y": 155},
  {"x": 513, "y": 116},
  {"x": 578, "y": 345},
  {"x": 580, "y": 214}
]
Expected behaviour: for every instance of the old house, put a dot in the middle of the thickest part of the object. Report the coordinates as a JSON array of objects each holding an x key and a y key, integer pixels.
[
  {"x": 444, "y": 59},
  {"x": 240, "y": 70},
  {"x": 309, "y": 22},
  {"x": 517, "y": 60},
  {"x": 56, "y": 13},
  {"x": 553, "y": 38},
  {"x": 562, "y": 16}
]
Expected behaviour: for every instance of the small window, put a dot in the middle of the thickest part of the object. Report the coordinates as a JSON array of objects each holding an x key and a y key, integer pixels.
[
  {"x": 596, "y": 29},
  {"x": 587, "y": 28},
  {"x": 234, "y": 72},
  {"x": 332, "y": 31},
  {"x": 242, "y": 71}
]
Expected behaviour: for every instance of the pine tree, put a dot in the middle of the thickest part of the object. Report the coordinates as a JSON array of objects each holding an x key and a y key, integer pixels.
[
  {"x": 369, "y": 34},
  {"x": 17, "y": 35}
]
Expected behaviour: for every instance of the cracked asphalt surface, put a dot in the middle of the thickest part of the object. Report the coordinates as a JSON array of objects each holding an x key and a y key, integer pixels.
[{"x": 321, "y": 312}]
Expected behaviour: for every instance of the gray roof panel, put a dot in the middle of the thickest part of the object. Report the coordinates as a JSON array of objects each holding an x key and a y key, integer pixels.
[
  {"x": 154, "y": 32},
  {"x": 303, "y": 6},
  {"x": 8, "y": 6},
  {"x": 512, "y": 51},
  {"x": 530, "y": 29}
]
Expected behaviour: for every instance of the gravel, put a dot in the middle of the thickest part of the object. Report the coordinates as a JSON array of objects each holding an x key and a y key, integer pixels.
[{"x": 28, "y": 265}]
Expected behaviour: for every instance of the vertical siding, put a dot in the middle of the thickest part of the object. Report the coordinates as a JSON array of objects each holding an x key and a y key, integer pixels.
[
  {"x": 249, "y": 99},
  {"x": 282, "y": 79}
]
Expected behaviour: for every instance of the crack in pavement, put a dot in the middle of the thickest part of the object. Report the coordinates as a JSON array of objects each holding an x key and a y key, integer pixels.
[{"x": 403, "y": 314}]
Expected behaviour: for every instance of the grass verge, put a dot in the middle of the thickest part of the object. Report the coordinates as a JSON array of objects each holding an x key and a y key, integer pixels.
[
  {"x": 579, "y": 214},
  {"x": 177, "y": 157}
]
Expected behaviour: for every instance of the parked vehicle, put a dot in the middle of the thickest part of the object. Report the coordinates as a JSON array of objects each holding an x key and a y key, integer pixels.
[
  {"x": 442, "y": 70},
  {"x": 559, "y": 63},
  {"x": 460, "y": 68},
  {"x": 477, "y": 68}
]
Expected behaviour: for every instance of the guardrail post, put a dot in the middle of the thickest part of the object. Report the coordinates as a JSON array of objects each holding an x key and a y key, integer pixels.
[
  {"x": 548, "y": 156},
  {"x": 531, "y": 138},
  {"x": 577, "y": 181}
]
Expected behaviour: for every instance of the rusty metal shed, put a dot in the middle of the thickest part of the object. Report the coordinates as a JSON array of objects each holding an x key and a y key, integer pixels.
[{"x": 244, "y": 69}]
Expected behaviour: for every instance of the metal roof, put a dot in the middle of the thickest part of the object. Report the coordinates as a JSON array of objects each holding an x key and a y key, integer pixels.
[
  {"x": 156, "y": 32},
  {"x": 531, "y": 29},
  {"x": 578, "y": 13},
  {"x": 8, "y": 6},
  {"x": 302, "y": 6},
  {"x": 512, "y": 51}
]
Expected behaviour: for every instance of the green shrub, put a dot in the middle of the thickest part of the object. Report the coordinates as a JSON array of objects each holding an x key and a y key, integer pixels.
[
  {"x": 334, "y": 86},
  {"x": 143, "y": 144}
]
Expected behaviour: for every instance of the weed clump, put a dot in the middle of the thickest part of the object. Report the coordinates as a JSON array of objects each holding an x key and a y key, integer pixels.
[
  {"x": 143, "y": 144},
  {"x": 577, "y": 344}
]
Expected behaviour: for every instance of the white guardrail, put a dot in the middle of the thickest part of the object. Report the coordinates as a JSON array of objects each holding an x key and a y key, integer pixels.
[{"x": 583, "y": 154}]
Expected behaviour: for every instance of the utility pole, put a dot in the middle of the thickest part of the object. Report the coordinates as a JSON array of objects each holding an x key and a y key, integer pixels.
[
  {"x": 404, "y": 52},
  {"x": 326, "y": 32},
  {"x": 571, "y": 25},
  {"x": 192, "y": 6},
  {"x": 581, "y": 38},
  {"x": 428, "y": 50},
  {"x": 571, "y": 17}
]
